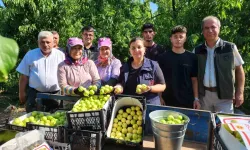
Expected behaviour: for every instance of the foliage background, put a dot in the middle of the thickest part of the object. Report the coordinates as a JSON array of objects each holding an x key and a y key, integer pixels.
[{"x": 121, "y": 20}]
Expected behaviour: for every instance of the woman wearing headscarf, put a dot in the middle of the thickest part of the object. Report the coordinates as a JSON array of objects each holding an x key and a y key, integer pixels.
[
  {"x": 76, "y": 70},
  {"x": 108, "y": 66}
]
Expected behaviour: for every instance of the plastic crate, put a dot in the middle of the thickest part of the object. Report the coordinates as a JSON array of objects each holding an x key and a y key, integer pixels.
[
  {"x": 111, "y": 143},
  {"x": 83, "y": 139},
  {"x": 51, "y": 133},
  {"x": 96, "y": 120},
  {"x": 59, "y": 146},
  {"x": 218, "y": 144},
  {"x": 16, "y": 128}
]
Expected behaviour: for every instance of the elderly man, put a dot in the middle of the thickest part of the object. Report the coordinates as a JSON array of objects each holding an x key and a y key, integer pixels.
[
  {"x": 220, "y": 73},
  {"x": 38, "y": 69},
  {"x": 56, "y": 41},
  {"x": 90, "y": 50}
]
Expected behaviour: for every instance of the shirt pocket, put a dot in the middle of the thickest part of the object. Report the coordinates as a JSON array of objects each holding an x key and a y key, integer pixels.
[{"x": 148, "y": 79}]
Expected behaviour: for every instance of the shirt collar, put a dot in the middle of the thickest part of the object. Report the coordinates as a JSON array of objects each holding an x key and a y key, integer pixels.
[
  {"x": 52, "y": 51},
  {"x": 217, "y": 44}
]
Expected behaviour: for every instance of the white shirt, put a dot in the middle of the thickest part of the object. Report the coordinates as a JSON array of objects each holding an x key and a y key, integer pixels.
[
  {"x": 42, "y": 71},
  {"x": 209, "y": 77}
]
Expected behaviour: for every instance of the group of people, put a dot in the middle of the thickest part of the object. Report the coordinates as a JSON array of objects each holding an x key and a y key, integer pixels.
[{"x": 210, "y": 78}]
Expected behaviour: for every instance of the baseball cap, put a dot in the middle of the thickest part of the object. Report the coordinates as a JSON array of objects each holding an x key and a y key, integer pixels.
[
  {"x": 74, "y": 41},
  {"x": 104, "y": 42}
]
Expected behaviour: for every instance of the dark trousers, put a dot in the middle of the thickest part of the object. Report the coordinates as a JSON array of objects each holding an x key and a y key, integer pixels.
[{"x": 31, "y": 104}]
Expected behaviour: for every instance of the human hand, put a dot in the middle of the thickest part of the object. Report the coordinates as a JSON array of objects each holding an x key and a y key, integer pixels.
[
  {"x": 118, "y": 89},
  {"x": 239, "y": 99},
  {"x": 196, "y": 104},
  {"x": 142, "y": 88}
]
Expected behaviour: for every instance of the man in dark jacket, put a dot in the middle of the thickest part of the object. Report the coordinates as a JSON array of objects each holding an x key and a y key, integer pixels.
[
  {"x": 221, "y": 76},
  {"x": 89, "y": 48}
]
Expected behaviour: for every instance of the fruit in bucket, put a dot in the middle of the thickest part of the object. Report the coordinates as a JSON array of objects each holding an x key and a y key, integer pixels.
[
  {"x": 171, "y": 119},
  {"x": 129, "y": 126}
]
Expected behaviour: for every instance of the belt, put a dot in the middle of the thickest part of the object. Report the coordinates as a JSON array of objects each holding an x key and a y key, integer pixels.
[{"x": 211, "y": 89}]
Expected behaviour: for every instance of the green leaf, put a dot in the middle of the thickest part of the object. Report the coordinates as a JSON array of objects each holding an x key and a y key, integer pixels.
[{"x": 8, "y": 57}]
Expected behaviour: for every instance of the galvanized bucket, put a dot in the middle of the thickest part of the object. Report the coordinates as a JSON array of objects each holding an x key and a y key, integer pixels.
[{"x": 167, "y": 136}]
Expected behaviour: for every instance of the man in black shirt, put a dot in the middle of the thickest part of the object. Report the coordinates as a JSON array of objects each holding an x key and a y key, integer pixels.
[
  {"x": 87, "y": 37},
  {"x": 180, "y": 72},
  {"x": 153, "y": 50}
]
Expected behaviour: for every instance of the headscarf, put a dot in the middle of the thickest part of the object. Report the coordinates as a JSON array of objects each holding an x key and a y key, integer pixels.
[
  {"x": 69, "y": 60},
  {"x": 103, "y": 62}
]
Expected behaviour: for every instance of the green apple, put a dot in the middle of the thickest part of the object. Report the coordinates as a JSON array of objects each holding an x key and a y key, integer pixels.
[
  {"x": 119, "y": 123},
  {"x": 139, "y": 122},
  {"x": 138, "y": 91},
  {"x": 130, "y": 129},
  {"x": 137, "y": 108},
  {"x": 139, "y": 112},
  {"x": 132, "y": 107},
  {"x": 113, "y": 134},
  {"x": 128, "y": 122},
  {"x": 91, "y": 92},
  {"x": 163, "y": 121},
  {"x": 116, "y": 120},
  {"x": 115, "y": 125},
  {"x": 86, "y": 93},
  {"x": 135, "y": 117},
  {"x": 140, "y": 118},
  {"x": 114, "y": 130},
  {"x": 129, "y": 135},
  {"x": 124, "y": 115},
  {"x": 81, "y": 88},
  {"x": 129, "y": 117},
  {"x": 34, "y": 113},
  {"x": 135, "y": 126},
  {"x": 128, "y": 110},
  {"x": 170, "y": 117},
  {"x": 132, "y": 113},
  {"x": 120, "y": 111},
  {"x": 123, "y": 120},
  {"x": 132, "y": 122},
  {"x": 119, "y": 117},
  {"x": 102, "y": 91},
  {"x": 179, "y": 117},
  {"x": 124, "y": 125},
  {"x": 124, "y": 130}
]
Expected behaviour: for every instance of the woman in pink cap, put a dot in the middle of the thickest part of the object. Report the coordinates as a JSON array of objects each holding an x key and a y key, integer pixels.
[
  {"x": 76, "y": 70},
  {"x": 108, "y": 66}
]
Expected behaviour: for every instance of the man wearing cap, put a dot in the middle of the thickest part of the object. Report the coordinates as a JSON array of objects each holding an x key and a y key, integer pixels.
[
  {"x": 220, "y": 73},
  {"x": 89, "y": 48},
  {"x": 39, "y": 70},
  {"x": 153, "y": 50}
]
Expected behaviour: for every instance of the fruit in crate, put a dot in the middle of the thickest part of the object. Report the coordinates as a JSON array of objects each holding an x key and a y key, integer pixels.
[
  {"x": 127, "y": 125},
  {"x": 170, "y": 119},
  {"x": 94, "y": 102},
  {"x": 106, "y": 89},
  {"x": 40, "y": 118}
]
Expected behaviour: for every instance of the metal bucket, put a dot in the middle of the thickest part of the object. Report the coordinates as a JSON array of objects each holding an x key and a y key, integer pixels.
[{"x": 167, "y": 137}]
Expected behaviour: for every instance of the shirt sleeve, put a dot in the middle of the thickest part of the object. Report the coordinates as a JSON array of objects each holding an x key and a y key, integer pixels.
[
  {"x": 194, "y": 72},
  {"x": 23, "y": 67},
  {"x": 159, "y": 78},
  {"x": 62, "y": 80},
  {"x": 237, "y": 58},
  {"x": 116, "y": 69}
]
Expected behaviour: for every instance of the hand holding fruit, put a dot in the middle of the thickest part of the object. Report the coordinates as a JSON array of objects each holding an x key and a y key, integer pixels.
[
  {"x": 142, "y": 88},
  {"x": 118, "y": 89}
]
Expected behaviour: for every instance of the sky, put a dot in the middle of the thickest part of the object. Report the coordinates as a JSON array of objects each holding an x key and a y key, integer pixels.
[
  {"x": 1, "y": 3},
  {"x": 152, "y": 5}
]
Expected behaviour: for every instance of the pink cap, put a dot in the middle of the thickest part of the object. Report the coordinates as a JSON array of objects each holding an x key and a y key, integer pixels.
[
  {"x": 74, "y": 41},
  {"x": 104, "y": 42}
]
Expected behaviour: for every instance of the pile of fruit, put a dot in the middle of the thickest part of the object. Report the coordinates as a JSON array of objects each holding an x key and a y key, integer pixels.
[
  {"x": 95, "y": 102},
  {"x": 128, "y": 124},
  {"x": 90, "y": 91},
  {"x": 178, "y": 119},
  {"x": 40, "y": 118},
  {"x": 141, "y": 88},
  {"x": 236, "y": 134},
  {"x": 106, "y": 89}
]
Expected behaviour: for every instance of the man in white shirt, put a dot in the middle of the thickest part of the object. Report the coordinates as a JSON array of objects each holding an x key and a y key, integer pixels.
[
  {"x": 38, "y": 69},
  {"x": 221, "y": 76}
]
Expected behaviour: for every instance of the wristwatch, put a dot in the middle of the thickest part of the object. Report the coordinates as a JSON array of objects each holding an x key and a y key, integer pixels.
[{"x": 196, "y": 99}]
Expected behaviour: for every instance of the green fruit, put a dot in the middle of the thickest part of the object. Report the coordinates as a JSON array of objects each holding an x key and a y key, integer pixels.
[
  {"x": 91, "y": 92},
  {"x": 81, "y": 88},
  {"x": 86, "y": 93},
  {"x": 170, "y": 117}
]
